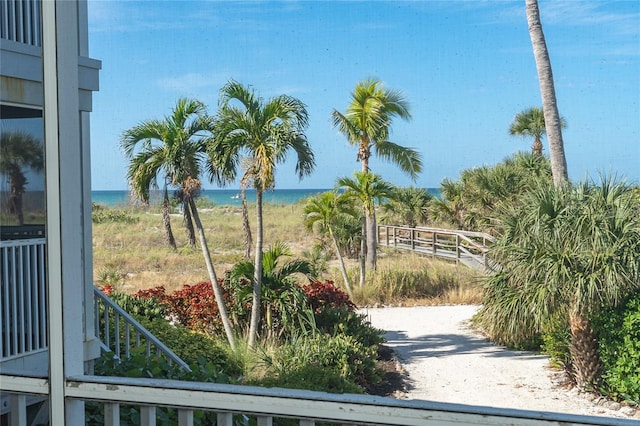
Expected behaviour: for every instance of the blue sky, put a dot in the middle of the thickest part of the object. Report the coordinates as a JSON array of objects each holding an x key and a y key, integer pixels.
[{"x": 466, "y": 67}]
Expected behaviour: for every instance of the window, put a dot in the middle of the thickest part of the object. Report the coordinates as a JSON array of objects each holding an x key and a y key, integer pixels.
[{"x": 22, "y": 201}]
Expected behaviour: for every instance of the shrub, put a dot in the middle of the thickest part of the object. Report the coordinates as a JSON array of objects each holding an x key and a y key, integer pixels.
[
  {"x": 619, "y": 338},
  {"x": 556, "y": 338},
  {"x": 322, "y": 295},
  {"x": 342, "y": 355},
  {"x": 138, "y": 306},
  {"x": 141, "y": 366},
  {"x": 104, "y": 215},
  {"x": 193, "y": 306}
]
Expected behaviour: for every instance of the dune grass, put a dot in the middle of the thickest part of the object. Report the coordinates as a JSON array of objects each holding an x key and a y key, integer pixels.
[{"x": 131, "y": 255}]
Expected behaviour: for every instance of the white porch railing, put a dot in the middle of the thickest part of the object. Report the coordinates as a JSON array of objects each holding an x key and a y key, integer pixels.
[
  {"x": 20, "y": 21},
  {"x": 23, "y": 298},
  {"x": 262, "y": 406},
  {"x": 120, "y": 333}
]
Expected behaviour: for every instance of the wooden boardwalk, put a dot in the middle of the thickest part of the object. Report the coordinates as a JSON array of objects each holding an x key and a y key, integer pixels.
[{"x": 468, "y": 248}]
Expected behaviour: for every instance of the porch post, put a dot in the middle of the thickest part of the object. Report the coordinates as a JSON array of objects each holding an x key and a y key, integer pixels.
[{"x": 64, "y": 225}]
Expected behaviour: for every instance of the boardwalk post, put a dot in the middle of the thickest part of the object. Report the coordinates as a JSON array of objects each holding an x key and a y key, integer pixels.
[
  {"x": 457, "y": 249},
  {"x": 413, "y": 239},
  {"x": 434, "y": 241}
]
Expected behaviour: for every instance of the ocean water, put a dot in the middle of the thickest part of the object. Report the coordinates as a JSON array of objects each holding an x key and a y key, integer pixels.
[{"x": 220, "y": 197}]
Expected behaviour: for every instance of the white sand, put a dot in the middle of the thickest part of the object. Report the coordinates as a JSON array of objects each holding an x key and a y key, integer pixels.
[{"x": 448, "y": 362}]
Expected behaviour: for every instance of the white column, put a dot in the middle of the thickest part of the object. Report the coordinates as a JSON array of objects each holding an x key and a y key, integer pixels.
[{"x": 63, "y": 156}]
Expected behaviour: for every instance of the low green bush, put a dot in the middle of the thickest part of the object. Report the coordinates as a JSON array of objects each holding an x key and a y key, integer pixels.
[
  {"x": 556, "y": 339},
  {"x": 102, "y": 214},
  {"x": 341, "y": 354},
  {"x": 619, "y": 338}
]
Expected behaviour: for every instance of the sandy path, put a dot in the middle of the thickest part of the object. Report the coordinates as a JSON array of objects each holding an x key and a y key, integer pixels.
[{"x": 447, "y": 362}]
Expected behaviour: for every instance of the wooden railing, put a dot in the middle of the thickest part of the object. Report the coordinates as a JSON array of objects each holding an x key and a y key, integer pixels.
[
  {"x": 467, "y": 247},
  {"x": 232, "y": 404}
]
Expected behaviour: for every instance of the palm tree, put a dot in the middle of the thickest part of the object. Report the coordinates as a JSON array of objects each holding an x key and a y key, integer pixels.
[
  {"x": 368, "y": 188},
  {"x": 367, "y": 124},
  {"x": 19, "y": 151},
  {"x": 324, "y": 211},
  {"x": 410, "y": 205},
  {"x": 175, "y": 148},
  {"x": 564, "y": 250},
  {"x": 552, "y": 119},
  {"x": 281, "y": 297},
  {"x": 172, "y": 148},
  {"x": 265, "y": 131},
  {"x": 530, "y": 122}
]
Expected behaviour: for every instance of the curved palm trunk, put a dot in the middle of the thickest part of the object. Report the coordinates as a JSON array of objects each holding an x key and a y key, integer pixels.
[
  {"x": 343, "y": 268},
  {"x": 217, "y": 291},
  {"x": 585, "y": 354},
  {"x": 246, "y": 227},
  {"x": 188, "y": 222},
  {"x": 257, "y": 274},
  {"x": 547, "y": 91},
  {"x": 166, "y": 221}
]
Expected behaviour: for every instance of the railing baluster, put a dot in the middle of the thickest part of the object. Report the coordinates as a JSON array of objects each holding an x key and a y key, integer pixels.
[
  {"x": 13, "y": 325},
  {"x": 116, "y": 333},
  {"x": 42, "y": 282},
  {"x": 147, "y": 415},
  {"x": 185, "y": 417},
  {"x": 28, "y": 301},
  {"x": 127, "y": 341},
  {"x": 18, "y": 413},
  {"x": 306, "y": 422},
  {"x": 265, "y": 421},
  {"x": 224, "y": 419},
  {"x": 112, "y": 414}
]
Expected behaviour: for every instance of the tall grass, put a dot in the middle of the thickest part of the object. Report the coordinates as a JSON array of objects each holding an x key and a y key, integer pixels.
[{"x": 135, "y": 255}]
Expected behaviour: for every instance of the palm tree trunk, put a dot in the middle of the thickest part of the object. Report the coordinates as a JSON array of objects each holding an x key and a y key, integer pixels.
[
  {"x": 257, "y": 274},
  {"x": 585, "y": 355},
  {"x": 246, "y": 227},
  {"x": 372, "y": 240},
  {"x": 166, "y": 220},
  {"x": 536, "y": 148},
  {"x": 552, "y": 120},
  {"x": 217, "y": 291},
  {"x": 17, "y": 183},
  {"x": 363, "y": 254},
  {"x": 188, "y": 222},
  {"x": 343, "y": 268}
]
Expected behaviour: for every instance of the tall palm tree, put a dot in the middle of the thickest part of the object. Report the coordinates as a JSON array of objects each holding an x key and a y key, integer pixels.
[
  {"x": 367, "y": 124},
  {"x": 265, "y": 131},
  {"x": 324, "y": 211},
  {"x": 19, "y": 151},
  {"x": 172, "y": 148},
  {"x": 530, "y": 122},
  {"x": 567, "y": 250},
  {"x": 552, "y": 119},
  {"x": 175, "y": 149},
  {"x": 368, "y": 188}
]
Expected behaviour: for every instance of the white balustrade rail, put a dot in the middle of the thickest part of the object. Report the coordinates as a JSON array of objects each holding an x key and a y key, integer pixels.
[
  {"x": 232, "y": 404},
  {"x": 120, "y": 333},
  {"x": 23, "y": 297},
  {"x": 20, "y": 21}
]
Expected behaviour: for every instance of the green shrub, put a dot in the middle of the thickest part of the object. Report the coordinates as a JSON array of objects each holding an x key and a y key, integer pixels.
[
  {"x": 556, "y": 338},
  {"x": 619, "y": 338},
  {"x": 139, "y": 307},
  {"x": 342, "y": 320},
  {"x": 340, "y": 354},
  {"x": 141, "y": 366},
  {"x": 101, "y": 214}
]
